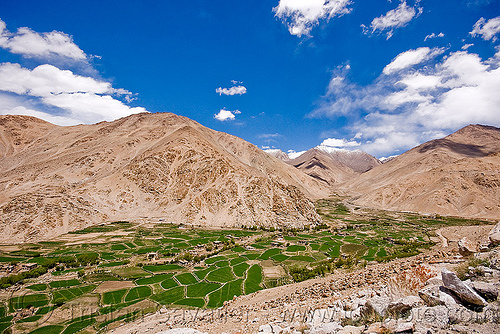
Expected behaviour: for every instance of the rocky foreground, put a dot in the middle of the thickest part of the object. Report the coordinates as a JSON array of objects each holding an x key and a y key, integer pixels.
[{"x": 449, "y": 289}]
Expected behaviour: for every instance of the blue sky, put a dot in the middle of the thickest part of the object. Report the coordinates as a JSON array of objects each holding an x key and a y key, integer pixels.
[{"x": 377, "y": 75}]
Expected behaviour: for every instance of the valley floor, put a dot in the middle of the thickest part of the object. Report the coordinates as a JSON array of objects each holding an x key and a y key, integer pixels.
[{"x": 151, "y": 275}]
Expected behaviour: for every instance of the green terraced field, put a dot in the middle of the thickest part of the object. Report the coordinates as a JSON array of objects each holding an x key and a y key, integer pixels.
[
  {"x": 200, "y": 268},
  {"x": 153, "y": 279},
  {"x": 169, "y": 296},
  {"x": 220, "y": 275},
  {"x": 64, "y": 284},
  {"x": 65, "y": 295},
  {"x": 25, "y": 301},
  {"x": 201, "y": 289},
  {"x": 139, "y": 292},
  {"x": 254, "y": 279},
  {"x": 186, "y": 279}
]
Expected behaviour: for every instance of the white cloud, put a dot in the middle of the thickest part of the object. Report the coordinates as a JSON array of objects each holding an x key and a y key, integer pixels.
[
  {"x": 395, "y": 18},
  {"x": 334, "y": 142},
  {"x": 269, "y": 135},
  {"x": 29, "y": 43},
  {"x": 487, "y": 29},
  {"x": 416, "y": 103},
  {"x": 46, "y": 79},
  {"x": 226, "y": 115},
  {"x": 80, "y": 99},
  {"x": 301, "y": 16},
  {"x": 466, "y": 46},
  {"x": 47, "y": 92},
  {"x": 235, "y": 90},
  {"x": 433, "y": 35},
  {"x": 411, "y": 58}
]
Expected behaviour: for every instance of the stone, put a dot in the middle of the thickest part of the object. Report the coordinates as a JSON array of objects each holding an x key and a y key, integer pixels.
[
  {"x": 486, "y": 290},
  {"x": 430, "y": 295},
  {"x": 270, "y": 328},
  {"x": 181, "y": 331},
  {"x": 376, "y": 328},
  {"x": 446, "y": 299},
  {"x": 494, "y": 235},
  {"x": 376, "y": 304},
  {"x": 352, "y": 330},
  {"x": 436, "y": 316},
  {"x": 404, "y": 327},
  {"x": 462, "y": 291},
  {"x": 326, "y": 328},
  {"x": 403, "y": 305},
  {"x": 434, "y": 281},
  {"x": 466, "y": 247}
]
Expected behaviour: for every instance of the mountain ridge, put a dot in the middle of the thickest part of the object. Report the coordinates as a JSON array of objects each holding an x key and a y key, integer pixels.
[
  {"x": 456, "y": 175},
  {"x": 145, "y": 165}
]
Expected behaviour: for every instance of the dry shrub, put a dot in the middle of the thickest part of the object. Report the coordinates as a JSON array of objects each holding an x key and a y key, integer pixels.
[{"x": 409, "y": 282}]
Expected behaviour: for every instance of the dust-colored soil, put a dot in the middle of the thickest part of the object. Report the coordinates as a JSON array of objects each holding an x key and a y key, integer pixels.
[
  {"x": 272, "y": 271},
  {"x": 476, "y": 234},
  {"x": 75, "y": 308},
  {"x": 113, "y": 285}
]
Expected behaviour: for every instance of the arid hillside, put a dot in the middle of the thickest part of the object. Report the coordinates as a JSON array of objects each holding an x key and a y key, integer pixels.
[
  {"x": 56, "y": 179},
  {"x": 333, "y": 165},
  {"x": 456, "y": 175},
  {"x": 329, "y": 164}
]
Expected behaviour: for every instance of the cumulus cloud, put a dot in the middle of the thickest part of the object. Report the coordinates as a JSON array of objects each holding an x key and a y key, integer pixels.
[
  {"x": 226, "y": 115},
  {"x": 79, "y": 99},
  {"x": 301, "y": 16},
  {"x": 29, "y": 43},
  {"x": 47, "y": 92},
  {"x": 411, "y": 58},
  {"x": 235, "y": 90},
  {"x": 487, "y": 29},
  {"x": 420, "y": 101},
  {"x": 334, "y": 142},
  {"x": 393, "y": 19},
  {"x": 433, "y": 35}
]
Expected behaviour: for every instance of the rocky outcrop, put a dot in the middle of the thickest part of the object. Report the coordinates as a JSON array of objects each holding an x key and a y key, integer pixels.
[
  {"x": 494, "y": 235},
  {"x": 403, "y": 305},
  {"x": 461, "y": 290},
  {"x": 488, "y": 291},
  {"x": 466, "y": 247}
]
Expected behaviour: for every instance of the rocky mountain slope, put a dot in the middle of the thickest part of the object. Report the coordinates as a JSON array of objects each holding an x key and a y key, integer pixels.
[
  {"x": 56, "y": 179},
  {"x": 278, "y": 154},
  {"x": 456, "y": 175},
  {"x": 321, "y": 166},
  {"x": 329, "y": 164}
]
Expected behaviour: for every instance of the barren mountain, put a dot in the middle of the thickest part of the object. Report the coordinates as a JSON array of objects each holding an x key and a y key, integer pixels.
[
  {"x": 456, "y": 175},
  {"x": 278, "y": 154},
  {"x": 320, "y": 165},
  {"x": 356, "y": 160},
  {"x": 334, "y": 165},
  {"x": 56, "y": 179}
]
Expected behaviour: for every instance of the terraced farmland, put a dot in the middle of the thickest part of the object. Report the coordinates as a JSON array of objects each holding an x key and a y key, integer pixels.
[{"x": 121, "y": 269}]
